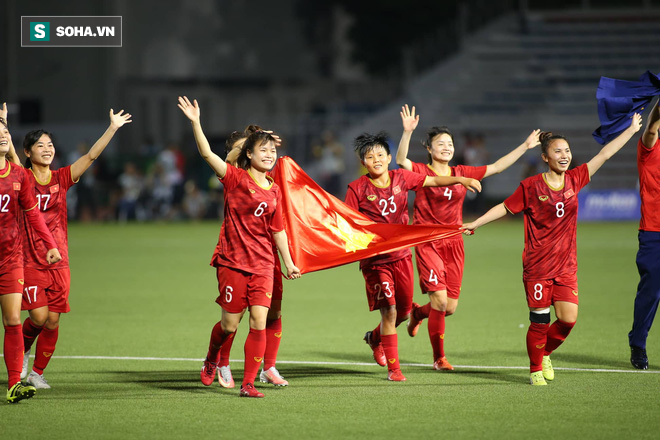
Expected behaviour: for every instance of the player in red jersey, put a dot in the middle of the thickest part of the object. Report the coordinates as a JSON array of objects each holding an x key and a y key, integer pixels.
[
  {"x": 243, "y": 256},
  {"x": 382, "y": 195},
  {"x": 16, "y": 197},
  {"x": 269, "y": 373},
  {"x": 440, "y": 263},
  {"x": 46, "y": 290},
  {"x": 648, "y": 255},
  {"x": 550, "y": 204}
]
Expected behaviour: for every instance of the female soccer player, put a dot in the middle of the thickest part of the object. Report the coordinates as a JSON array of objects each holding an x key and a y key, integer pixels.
[
  {"x": 46, "y": 290},
  {"x": 16, "y": 196},
  {"x": 244, "y": 256},
  {"x": 549, "y": 202},
  {"x": 382, "y": 195},
  {"x": 648, "y": 255},
  {"x": 269, "y": 373},
  {"x": 440, "y": 263}
]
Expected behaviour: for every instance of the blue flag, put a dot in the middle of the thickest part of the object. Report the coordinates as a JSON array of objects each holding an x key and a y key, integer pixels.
[{"x": 618, "y": 100}]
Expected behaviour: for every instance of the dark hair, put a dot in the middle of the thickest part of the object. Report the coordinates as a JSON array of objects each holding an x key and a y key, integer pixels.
[
  {"x": 367, "y": 142},
  {"x": 431, "y": 134},
  {"x": 32, "y": 138},
  {"x": 238, "y": 135},
  {"x": 546, "y": 138},
  {"x": 254, "y": 140}
]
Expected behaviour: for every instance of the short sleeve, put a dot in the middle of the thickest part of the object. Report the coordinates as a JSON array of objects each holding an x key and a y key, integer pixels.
[
  {"x": 472, "y": 172},
  {"x": 580, "y": 176},
  {"x": 414, "y": 181},
  {"x": 352, "y": 198},
  {"x": 277, "y": 222},
  {"x": 515, "y": 203},
  {"x": 232, "y": 177}
]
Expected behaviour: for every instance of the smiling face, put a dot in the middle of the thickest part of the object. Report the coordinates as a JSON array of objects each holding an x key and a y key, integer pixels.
[
  {"x": 263, "y": 157},
  {"x": 442, "y": 148},
  {"x": 41, "y": 152},
  {"x": 376, "y": 161},
  {"x": 558, "y": 156},
  {"x": 4, "y": 140}
]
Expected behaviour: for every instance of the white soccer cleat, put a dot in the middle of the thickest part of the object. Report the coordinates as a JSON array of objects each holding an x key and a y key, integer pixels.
[
  {"x": 37, "y": 381},
  {"x": 26, "y": 362},
  {"x": 273, "y": 376},
  {"x": 225, "y": 378}
]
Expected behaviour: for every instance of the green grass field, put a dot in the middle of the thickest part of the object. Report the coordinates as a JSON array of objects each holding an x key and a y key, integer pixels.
[{"x": 128, "y": 358}]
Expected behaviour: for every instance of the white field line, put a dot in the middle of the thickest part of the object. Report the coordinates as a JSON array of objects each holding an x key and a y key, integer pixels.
[{"x": 366, "y": 364}]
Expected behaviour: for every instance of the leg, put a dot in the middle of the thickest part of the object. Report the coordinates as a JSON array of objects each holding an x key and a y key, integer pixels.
[
  {"x": 13, "y": 347},
  {"x": 45, "y": 349},
  {"x": 269, "y": 373},
  {"x": 648, "y": 290},
  {"x": 437, "y": 329},
  {"x": 255, "y": 345},
  {"x": 390, "y": 343}
]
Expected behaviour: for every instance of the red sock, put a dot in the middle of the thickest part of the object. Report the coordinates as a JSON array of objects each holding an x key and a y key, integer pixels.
[
  {"x": 225, "y": 349},
  {"x": 536, "y": 340},
  {"x": 557, "y": 334},
  {"x": 255, "y": 345},
  {"x": 218, "y": 338},
  {"x": 437, "y": 333},
  {"x": 45, "y": 349},
  {"x": 30, "y": 333},
  {"x": 375, "y": 335},
  {"x": 13, "y": 351},
  {"x": 423, "y": 312},
  {"x": 391, "y": 349},
  {"x": 273, "y": 338}
]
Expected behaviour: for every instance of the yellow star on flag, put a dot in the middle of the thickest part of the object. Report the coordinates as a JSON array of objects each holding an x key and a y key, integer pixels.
[{"x": 354, "y": 240}]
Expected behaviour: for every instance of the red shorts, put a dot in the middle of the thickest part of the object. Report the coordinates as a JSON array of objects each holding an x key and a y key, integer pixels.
[
  {"x": 277, "y": 282},
  {"x": 440, "y": 266},
  {"x": 46, "y": 287},
  {"x": 390, "y": 284},
  {"x": 544, "y": 293},
  {"x": 11, "y": 281},
  {"x": 238, "y": 290}
]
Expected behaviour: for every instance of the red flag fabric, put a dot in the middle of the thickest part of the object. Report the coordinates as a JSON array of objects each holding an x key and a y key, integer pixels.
[{"x": 324, "y": 232}]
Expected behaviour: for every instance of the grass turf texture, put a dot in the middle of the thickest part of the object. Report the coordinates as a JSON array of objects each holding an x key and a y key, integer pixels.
[{"x": 147, "y": 291}]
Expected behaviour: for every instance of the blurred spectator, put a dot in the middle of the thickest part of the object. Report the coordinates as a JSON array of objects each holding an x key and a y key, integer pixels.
[
  {"x": 132, "y": 185},
  {"x": 194, "y": 201},
  {"x": 475, "y": 154},
  {"x": 329, "y": 166}
]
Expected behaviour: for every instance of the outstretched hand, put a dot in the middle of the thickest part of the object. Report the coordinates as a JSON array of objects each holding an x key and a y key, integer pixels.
[
  {"x": 118, "y": 119},
  {"x": 636, "y": 123},
  {"x": 533, "y": 139},
  {"x": 408, "y": 118},
  {"x": 191, "y": 111},
  {"x": 473, "y": 185}
]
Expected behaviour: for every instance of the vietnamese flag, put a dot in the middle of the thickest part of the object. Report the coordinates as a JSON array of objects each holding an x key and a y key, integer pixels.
[{"x": 324, "y": 232}]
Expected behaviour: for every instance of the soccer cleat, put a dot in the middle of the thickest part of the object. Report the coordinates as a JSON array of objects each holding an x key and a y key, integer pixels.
[
  {"x": 249, "y": 390},
  {"x": 537, "y": 379},
  {"x": 26, "y": 362},
  {"x": 208, "y": 372},
  {"x": 225, "y": 378},
  {"x": 442, "y": 364},
  {"x": 19, "y": 392},
  {"x": 414, "y": 323},
  {"x": 396, "y": 375},
  {"x": 37, "y": 380},
  {"x": 548, "y": 371},
  {"x": 638, "y": 358},
  {"x": 379, "y": 354},
  {"x": 273, "y": 376}
]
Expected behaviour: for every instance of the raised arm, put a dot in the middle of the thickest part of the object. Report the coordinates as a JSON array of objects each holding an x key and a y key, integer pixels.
[
  {"x": 282, "y": 243},
  {"x": 650, "y": 136},
  {"x": 117, "y": 120},
  {"x": 193, "y": 113},
  {"x": 496, "y": 212},
  {"x": 506, "y": 161},
  {"x": 472, "y": 185},
  {"x": 615, "y": 145},
  {"x": 410, "y": 122}
]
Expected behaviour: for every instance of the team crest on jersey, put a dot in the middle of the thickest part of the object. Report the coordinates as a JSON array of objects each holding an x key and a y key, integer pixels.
[
  {"x": 54, "y": 188},
  {"x": 371, "y": 197},
  {"x": 568, "y": 194},
  {"x": 543, "y": 198},
  {"x": 396, "y": 190},
  {"x": 17, "y": 186},
  {"x": 21, "y": 282},
  {"x": 574, "y": 292},
  {"x": 269, "y": 295},
  {"x": 252, "y": 191}
]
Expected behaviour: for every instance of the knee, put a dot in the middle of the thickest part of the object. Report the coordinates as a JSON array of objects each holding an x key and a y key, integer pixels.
[{"x": 39, "y": 321}]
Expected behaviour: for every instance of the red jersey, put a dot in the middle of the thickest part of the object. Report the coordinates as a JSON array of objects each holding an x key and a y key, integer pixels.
[
  {"x": 384, "y": 204},
  {"x": 15, "y": 195},
  {"x": 648, "y": 166},
  {"x": 51, "y": 199},
  {"x": 443, "y": 205},
  {"x": 252, "y": 214},
  {"x": 550, "y": 223}
]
